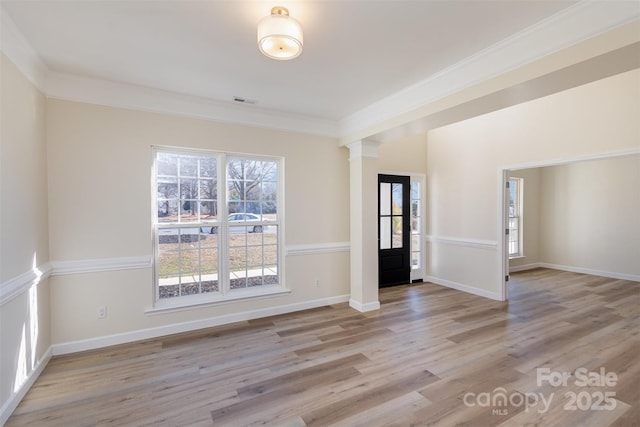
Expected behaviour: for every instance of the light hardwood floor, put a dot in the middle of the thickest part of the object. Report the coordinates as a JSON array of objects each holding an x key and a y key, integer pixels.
[{"x": 430, "y": 356}]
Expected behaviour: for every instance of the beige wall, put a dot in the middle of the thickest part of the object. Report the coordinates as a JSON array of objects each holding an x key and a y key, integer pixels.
[
  {"x": 589, "y": 216},
  {"x": 24, "y": 247},
  {"x": 583, "y": 216},
  {"x": 465, "y": 160},
  {"x": 408, "y": 155},
  {"x": 100, "y": 193}
]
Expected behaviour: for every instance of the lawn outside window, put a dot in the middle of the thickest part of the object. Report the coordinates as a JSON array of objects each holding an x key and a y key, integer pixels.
[{"x": 217, "y": 226}]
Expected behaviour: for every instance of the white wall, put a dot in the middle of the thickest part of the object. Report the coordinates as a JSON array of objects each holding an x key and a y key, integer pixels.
[
  {"x": 99, "y": 196},
  {"x": 24, "y": 247},
  {"x": 589, "y": 216},
  {"x": 465, "y": 160}
]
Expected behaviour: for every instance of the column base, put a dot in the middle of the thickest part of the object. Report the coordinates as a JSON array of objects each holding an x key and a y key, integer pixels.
[{"x": 370, "y": 306}]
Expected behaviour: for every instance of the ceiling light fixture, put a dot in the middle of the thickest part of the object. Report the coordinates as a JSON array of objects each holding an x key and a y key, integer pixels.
[{"x": 279, "y": 35}]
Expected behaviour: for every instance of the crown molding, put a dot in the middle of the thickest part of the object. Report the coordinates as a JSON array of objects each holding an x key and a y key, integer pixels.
[
  {"x": 70, "y": 87},
  {"x": 89, "y": 90},
  {"x": 578, "y": 23},
  {"x": 16, "y": 47},
  {"x": 363, "y": 149}
]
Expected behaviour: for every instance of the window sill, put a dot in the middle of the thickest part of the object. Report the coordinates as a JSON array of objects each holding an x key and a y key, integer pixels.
[
  {"x": 516, "y": 257},
  {"x": 197, "y": 301}
]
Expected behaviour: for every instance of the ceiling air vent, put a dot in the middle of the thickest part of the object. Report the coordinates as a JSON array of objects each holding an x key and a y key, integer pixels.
[{"x": 244, "y": 100}]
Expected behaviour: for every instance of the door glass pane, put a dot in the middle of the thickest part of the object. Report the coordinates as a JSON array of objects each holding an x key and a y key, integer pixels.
[
  {"x": 397, "y": 232},
  {"x": 385, "y": 198},
  {"x": 397, "y": 199},
  {"x": 385, "y": 233}
]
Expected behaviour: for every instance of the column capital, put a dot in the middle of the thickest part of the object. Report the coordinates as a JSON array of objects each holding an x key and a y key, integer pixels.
[{"x": 363, "y": 148}]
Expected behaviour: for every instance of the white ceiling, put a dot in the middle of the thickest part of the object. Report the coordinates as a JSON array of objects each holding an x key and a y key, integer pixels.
[{"x": 355, "y": 52}]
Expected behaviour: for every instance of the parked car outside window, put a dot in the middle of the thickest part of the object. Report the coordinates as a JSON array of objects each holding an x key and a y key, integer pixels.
[{"x": 236, "y": 218}]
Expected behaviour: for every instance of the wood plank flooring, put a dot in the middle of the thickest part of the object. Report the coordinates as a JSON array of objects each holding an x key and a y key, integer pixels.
[{"x": 431, "y": 356}]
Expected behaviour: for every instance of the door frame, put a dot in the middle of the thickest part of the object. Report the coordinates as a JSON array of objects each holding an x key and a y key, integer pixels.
[
  {"x": 394, "y": 262},
  {"x": 418, "y": 274}
]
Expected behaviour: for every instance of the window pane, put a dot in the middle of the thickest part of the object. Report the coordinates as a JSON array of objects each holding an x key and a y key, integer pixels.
[
  {"x": 385, "y": 232},
  {"x": 207, "y": 189},
  {"x": 254, "y": 257},
  {"x": 236, "y": 207},
  {"x": 167, "y": 187},
  {"x": 169, "y": 263},
  {"x": 209, "y": 261},
  {"x": 168, "y": 286},
  {"x": 271, "y": 275},
  {"x": 235, "y": 190},
  {"x": 189, "y": 211},
  {"x": 415, "y": 242},
  {"x": 385, "y": 198},
  {"x": 208, "y": 210},
  {"x": 208, "y": 286},
  {"x": 208, "y": 167},
  {"x": 167, "y": 211},
  {"x": 237, "y": 258},
  {"x": 188, "y": 166},
  {"x": 397, "y": 232},
  {"x": 189, "y": 263},
  {"x": 415, "y": 190},
  {"x": 397, "y": 198},
  {"x": 415, "y": 259},
  {"x": 271, "y": 255},
  {"x": 167, "y": 164},
  {"x": 269, "y": 199}
]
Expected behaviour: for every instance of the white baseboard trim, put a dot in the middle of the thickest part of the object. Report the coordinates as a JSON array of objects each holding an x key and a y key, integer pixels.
[
  {"x": 363, "y": 308},
  {"x": 143, "y": 334},
  {"x": 524, "y": 267},
  {"x": 590, "y": 271},
  {"x": 572, "y": 269},
  {"x": 14, "y": 400},
  {"x": 464, "y": 288}
]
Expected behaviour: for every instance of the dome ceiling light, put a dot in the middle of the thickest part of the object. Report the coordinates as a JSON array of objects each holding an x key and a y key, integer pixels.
[{"x": 279, "y": 35}]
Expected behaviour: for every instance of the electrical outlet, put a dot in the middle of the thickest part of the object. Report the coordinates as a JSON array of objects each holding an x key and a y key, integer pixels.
[
  {"x": 317, "y": 283},
  {"x": 102, "y": 312}
]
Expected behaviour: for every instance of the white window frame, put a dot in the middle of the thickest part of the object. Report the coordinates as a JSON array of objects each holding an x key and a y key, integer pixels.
[
  {"x": 419, "y": 272},
  {"x": 225, "y": 293},
  {"x": 518, "y": 217}
]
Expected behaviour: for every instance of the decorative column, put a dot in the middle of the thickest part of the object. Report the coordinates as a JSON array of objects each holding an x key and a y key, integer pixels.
[{"x": 363, "y": 167}]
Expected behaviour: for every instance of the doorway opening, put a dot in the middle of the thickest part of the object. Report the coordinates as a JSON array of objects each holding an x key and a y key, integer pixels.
[{"x": 577, "y": 215}]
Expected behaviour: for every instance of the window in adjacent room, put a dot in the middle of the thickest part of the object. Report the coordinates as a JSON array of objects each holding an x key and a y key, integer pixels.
[
  {"x": 216, "y": 226},
  {"x": 515, "y": 217}
]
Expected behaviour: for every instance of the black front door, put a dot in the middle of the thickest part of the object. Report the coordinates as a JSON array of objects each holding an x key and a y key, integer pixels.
[{"x": 394, "y": 230}]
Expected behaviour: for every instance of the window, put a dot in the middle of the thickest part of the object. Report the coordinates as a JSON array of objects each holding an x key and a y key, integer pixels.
[
  {"x": 216, "y": 225},
  {"x": 416, "y": 229},
  {"x": 515, "y": 217}
]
